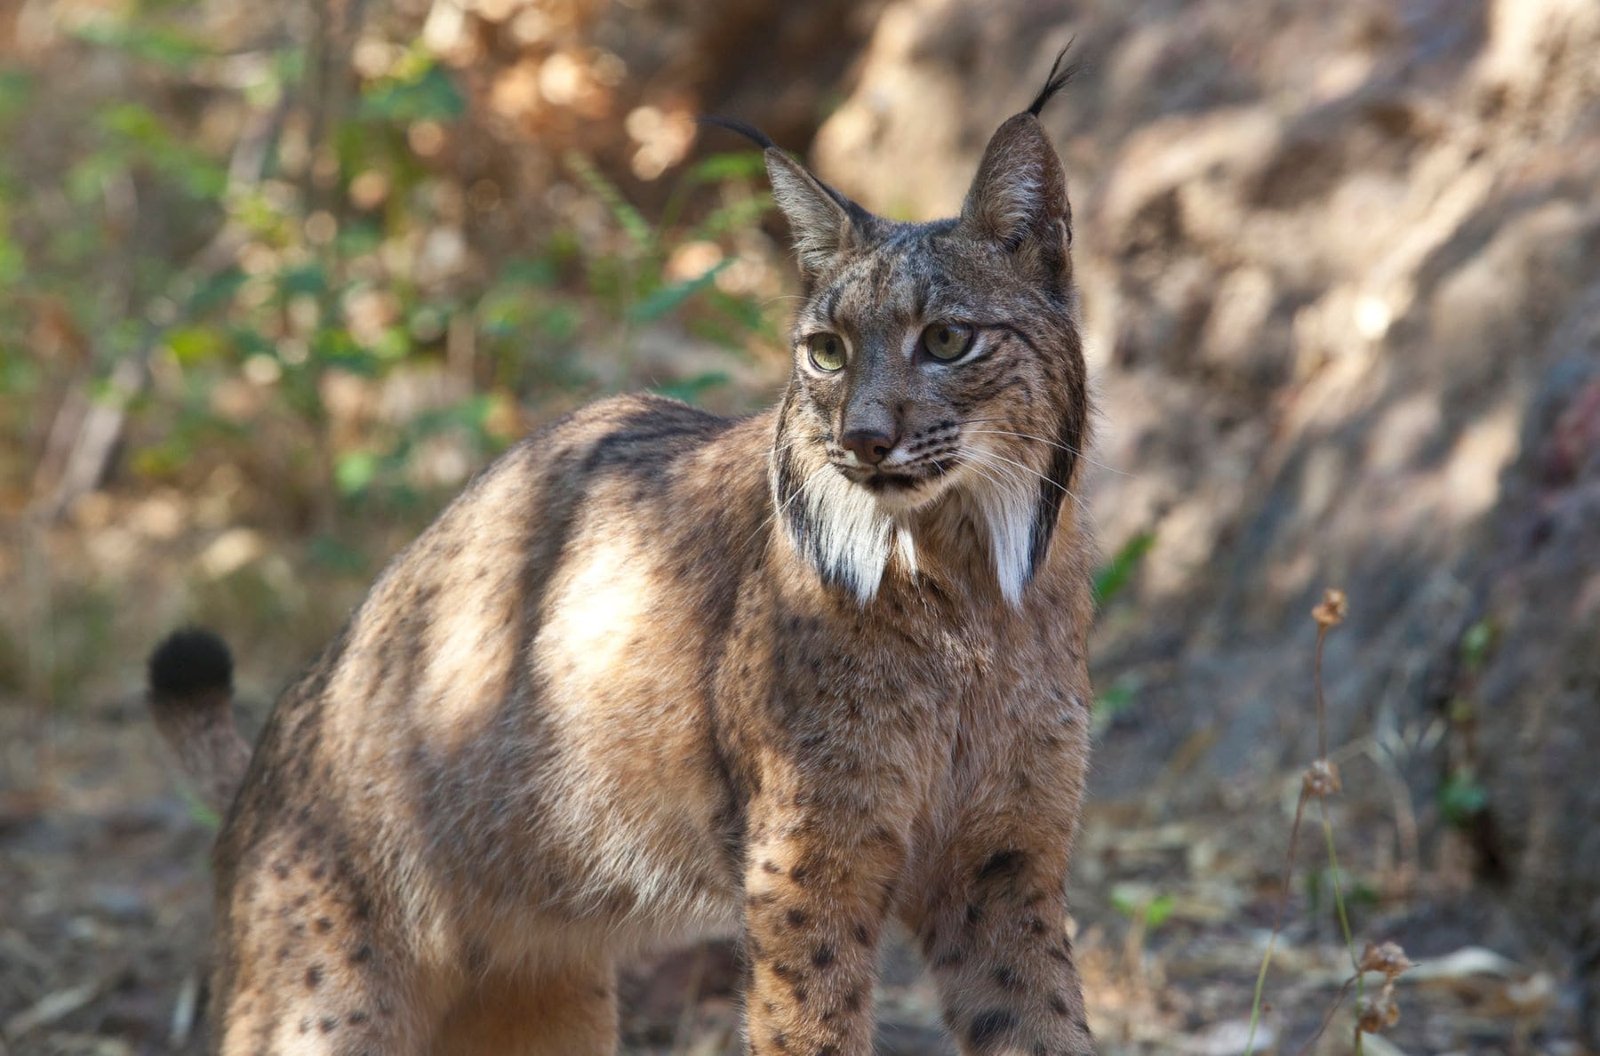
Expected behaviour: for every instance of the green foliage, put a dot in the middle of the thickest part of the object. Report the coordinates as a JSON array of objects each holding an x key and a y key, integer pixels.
[
  {"x": 1112, "y": 577},
  {"x": 1476, "y": 645},
  {"x": 349, "y": 270},
  {"x": 420, "y": 91},
  {"x": 1462, "y": 798},
  {"x": 1142, "y": 906},
  {"x": 1114, "y": 701}
]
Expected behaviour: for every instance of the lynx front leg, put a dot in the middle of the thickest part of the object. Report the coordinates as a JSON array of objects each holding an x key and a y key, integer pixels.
[
  {"x": 818, "y": 887},
  {"x": 993, "y": 933}
]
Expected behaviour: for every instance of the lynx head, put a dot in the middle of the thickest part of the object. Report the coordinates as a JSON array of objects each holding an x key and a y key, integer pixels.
[{"x": 937, "y": 368}]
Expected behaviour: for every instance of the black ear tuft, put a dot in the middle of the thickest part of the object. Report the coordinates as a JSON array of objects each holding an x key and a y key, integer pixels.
[
  {"x": 748, "y": 131},
  {"x": 1059, "y": 76}
]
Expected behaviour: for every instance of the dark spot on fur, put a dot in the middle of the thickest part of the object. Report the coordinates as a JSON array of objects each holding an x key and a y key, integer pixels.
[
  {"x": 797, "y": 918},
  {"x": 950, "y": 958},
  {"x": 314, "y": 976},
  {"x": 988, "y": 1026},
  {"x": 853, "y": 1001},
  {"x": 863, "y": 935},
  {"x": 1083, "y": 1025},
  {"x": 1006, "y": 978},
  {"x": 1002, "y": 863},
  {"x": 822, "y": 956},
  {"x": 974, "y": 913},
  {"x": 357, "y": 1017},
  {"x": 828, "y": 1050},
  {"x": 323, "y": 925},
  {"x": 361, "y": 955},
  {"x": 305, "y": 1026},
  {"x": 328, "y": 1024},
  {"x": 801, "y": 994},
  {"x": 1058, "y": 1005},
  {"x": 784, "y": 971},
  {"x": 781, "y": 1041}
]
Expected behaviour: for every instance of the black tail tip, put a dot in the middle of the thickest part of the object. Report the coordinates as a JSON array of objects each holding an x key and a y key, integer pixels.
[{"x": 190, "y": 661}]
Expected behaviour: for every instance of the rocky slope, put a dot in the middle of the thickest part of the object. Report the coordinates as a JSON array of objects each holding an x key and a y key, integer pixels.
[{"x": 1342, "y": 270}]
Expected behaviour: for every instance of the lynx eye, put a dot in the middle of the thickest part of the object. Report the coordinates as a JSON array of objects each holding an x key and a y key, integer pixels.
[
  {"x": 947, "y": 341},
  {"x": 827, "y": 351}
]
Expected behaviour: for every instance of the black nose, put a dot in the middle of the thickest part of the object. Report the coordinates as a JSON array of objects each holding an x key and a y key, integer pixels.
[{"x": 869, "y": 445}]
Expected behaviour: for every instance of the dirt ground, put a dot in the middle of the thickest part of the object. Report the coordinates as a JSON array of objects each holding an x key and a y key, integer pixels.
[{"x": 104, "y": 894}]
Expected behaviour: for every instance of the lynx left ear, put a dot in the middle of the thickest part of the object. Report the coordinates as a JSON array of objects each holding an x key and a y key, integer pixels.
[{"x": 1019, "y": 197}]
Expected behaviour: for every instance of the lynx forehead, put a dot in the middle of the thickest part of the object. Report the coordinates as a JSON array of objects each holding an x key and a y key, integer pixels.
[{"x": 657, "y": 675}]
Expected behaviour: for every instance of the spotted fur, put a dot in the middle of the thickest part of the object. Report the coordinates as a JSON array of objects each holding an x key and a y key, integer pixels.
[{"x": 657, "y": 675}]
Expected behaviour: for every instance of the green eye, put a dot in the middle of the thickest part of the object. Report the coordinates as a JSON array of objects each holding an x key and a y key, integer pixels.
[
  {"x": 947, "y": 341},
  {"x": 827, "y": 351}
]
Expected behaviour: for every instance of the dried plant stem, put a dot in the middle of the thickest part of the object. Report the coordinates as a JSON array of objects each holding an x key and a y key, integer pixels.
[
  {"x": 1316, "y": 682},
  {"x": 1320, "y": 781},
  {"x": 1277, "y": 924},
  {"x": 1344, "y": 917}
]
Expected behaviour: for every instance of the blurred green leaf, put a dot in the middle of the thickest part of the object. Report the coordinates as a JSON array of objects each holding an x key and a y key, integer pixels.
[
  {"x": 668, "y": 298},
  {"x": 430, "y": 96},
  {"x": 627, "y": 217},
  {"x": 735, "y": 216},
  {"x": 16, "y": 92},
  {"x": 215, "y": 291},
  {"x": 196, "y": 344},
  {"x": 733, "y": 165},
  {"x": 689, "y": 390},
  {"x": 1476, "y": 643},
  {"x": 1111, "y": 578},
  {"x": 309, "y": 278},
  {"x": 1114, "y": 700},
  {"x": 337, "y": 555},
  {"x": 162, "y": 45},
  {"x": 355, "y": 471},
  {"x": 1461, "y": 798}
]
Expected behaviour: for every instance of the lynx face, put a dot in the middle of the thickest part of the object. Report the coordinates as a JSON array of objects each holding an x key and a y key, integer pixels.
[{"x": 937, "y": 370}]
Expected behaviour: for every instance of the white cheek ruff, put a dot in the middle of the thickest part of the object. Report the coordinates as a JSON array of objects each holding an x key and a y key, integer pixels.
[
  {"x": 1008, "y": 510},
  {"x": 847, "y": 536}
]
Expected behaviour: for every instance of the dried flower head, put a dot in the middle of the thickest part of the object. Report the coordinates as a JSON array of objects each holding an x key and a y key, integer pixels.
[
  {"x": 1379, "y": 1013},
  {"x": 1321, "y": 779},
  {"x": 1330, "y": 611},
  {"x": 1385, "y": 957}
]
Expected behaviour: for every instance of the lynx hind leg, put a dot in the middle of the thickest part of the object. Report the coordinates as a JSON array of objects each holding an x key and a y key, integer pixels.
[
  {"x": 304, "y": 967},
  {"x": 570, "y": 1011}
]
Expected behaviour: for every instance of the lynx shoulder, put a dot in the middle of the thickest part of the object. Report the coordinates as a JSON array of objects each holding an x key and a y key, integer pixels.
[{"x": 657, "y": 675}]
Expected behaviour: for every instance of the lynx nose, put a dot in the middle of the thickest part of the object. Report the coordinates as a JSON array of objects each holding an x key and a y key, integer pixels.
[{"x": 869, "y": 445}]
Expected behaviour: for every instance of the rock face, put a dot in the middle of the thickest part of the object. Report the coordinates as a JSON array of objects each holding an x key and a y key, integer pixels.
[{"x": 1341, "y": 265}]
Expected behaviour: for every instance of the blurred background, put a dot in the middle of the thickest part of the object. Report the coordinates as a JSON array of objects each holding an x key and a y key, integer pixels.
[{"x": 275, "y": 279}]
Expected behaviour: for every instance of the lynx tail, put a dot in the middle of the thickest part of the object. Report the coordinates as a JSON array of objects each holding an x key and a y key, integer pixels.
[{"x": 191, "y": 697}]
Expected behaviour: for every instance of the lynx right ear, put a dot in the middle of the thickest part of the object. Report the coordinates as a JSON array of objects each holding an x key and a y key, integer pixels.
[
  {"x": 1019, "y": 197},
  {"x": 824, "y": 222}
]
